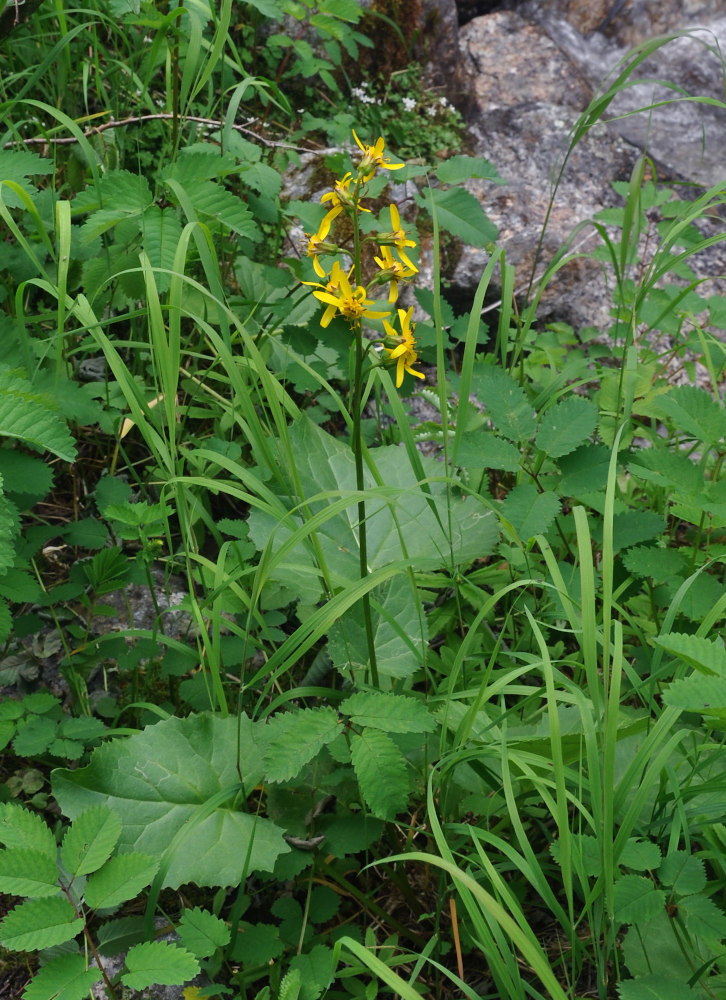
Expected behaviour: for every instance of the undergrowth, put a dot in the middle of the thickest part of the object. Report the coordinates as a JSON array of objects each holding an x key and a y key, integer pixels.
[{"x": 418, "y": 722}]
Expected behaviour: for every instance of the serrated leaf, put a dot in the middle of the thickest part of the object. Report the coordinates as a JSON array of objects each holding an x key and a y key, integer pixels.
[
  {"x": 115, "y": 936},
  {"x": 202, "y": 933},
  {"x": 668, "y": 469},
  {"x": 634, "y": 526},
  {"x": 90, "y": 840},
  {"x": 697, "y": 693},
  {"x": 565, "y": 426},
  {"x": 25, "y": 474},
  {"x": 703, "y": 918},
  {"x": 161, "y": 232},
  {"x": 506, "y": 403},
  {"x": 460, "y": 213},
  {"x": 64, "y": 977},
  {"x": 463, "y": 168},
  {"x": 392, "y": 713},
  {"x": 21, "y": 828},
  {"x": 25, "y": 872},
  {"x": 647, "y": 561},
  {"x": 316, "y": 968},
  {"x": 381, "y": 772},
  {"x": 694, "y": 411},
  {"x": 706, "y": 655},
  {"x": 6, "y": 622},
  {"x": 656, "y": 987},
  {"x": 158, "y": 963},
  {"x": 585, "y": 851},
  {"x": 636, "y": 900},
  {"x": 17, "y": 166},
  {"x": 34, "y": 736},
  {"x": 292, "y": 739},
  {"x": 160, "y": 781},
  {"x": 200, "y": 163},
  {"x": 40, "y": 923},
  {"x": 487, "y": 450},
  {"x": 530, "y": 512},
  {"x": 215, "y": 201},
  {"x": 120, "y": 879},
  {"x": 640, "y": 855},
  {"x": 24, "y": 415},
  {"x": 683, "y": 873}
]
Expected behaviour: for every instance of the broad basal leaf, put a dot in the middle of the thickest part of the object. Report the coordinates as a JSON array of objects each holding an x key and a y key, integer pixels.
[
  {"x": 90, "y": 840},
  {"x": 40, "y": 923},
  {"x": 25, "y": 872},
  {"x": 160, "y": 782},
  {"x": 656, "y": 987},
  {"x": 291, "y": 739},
  {"x": 64, "y": 977},
  {"x": 158, "y": 963},
  {"x": 392, "y": 713},
  {"x": 120, "y": 879},
  {"x": 325, "y": 463},
  {"x": 398, "y": 633},
  {"x": 381, "y": 772}
]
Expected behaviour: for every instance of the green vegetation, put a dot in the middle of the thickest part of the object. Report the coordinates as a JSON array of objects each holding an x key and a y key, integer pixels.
[{"x": 418, "y": 726}]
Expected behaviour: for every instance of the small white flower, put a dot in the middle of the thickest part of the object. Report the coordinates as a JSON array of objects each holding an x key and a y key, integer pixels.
[
  {"x": 409, "y": 103},
  {"x": 431, "y": 110},
  {"x": 443, "y": 102}
]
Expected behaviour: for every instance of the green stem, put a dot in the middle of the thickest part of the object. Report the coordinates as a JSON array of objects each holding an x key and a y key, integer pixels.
[{"x": 357, "y": 444}]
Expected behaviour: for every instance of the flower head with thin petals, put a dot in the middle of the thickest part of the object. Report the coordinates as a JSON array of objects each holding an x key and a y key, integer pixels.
[
  {"x": 397, "y": 238},
  {"x": 346, "y": 300},
  {"x": 404, "y": 353},
  {"x": 373, "y": 159},
  {"x": 342, "y": 197},
  {"x": 393, "y": 270},
  {"x": 317, "y": 244}
]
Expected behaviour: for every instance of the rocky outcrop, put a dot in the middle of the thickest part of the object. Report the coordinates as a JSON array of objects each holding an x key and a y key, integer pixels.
[{"x": 529, "y": 74}]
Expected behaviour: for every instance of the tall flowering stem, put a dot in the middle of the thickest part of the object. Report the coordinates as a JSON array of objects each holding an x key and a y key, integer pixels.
[{"x": 345, "y": 294}]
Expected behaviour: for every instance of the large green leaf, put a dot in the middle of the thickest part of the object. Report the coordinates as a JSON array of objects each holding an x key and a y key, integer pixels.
[
  {"x": 399, "y": 634},
  {"x": 698, "y": 694},
  {"x": 25, "y": 872},
  {"x": 695, "y": 412},
  {"x": 657, "y": 987},
  {"x": 174, "y": 786},
  {"x": 636, "y": 899},
  {"x": 325, "y": 463}
]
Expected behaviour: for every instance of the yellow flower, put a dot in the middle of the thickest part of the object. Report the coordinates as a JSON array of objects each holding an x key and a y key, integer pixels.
[
  {"x": 347, "y": 300},
  {"x": 341, "y": 197},
  {"x": 404, "y": 354},
  {"x": 397, "y": 238},
  {"x": 317, "y": 245},
  {"x": 393, "y": 270},
  {"x": 373, "y": 158}
]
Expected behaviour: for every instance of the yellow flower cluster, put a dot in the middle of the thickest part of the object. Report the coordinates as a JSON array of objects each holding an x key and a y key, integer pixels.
[{"x": 341, "y": 292}]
